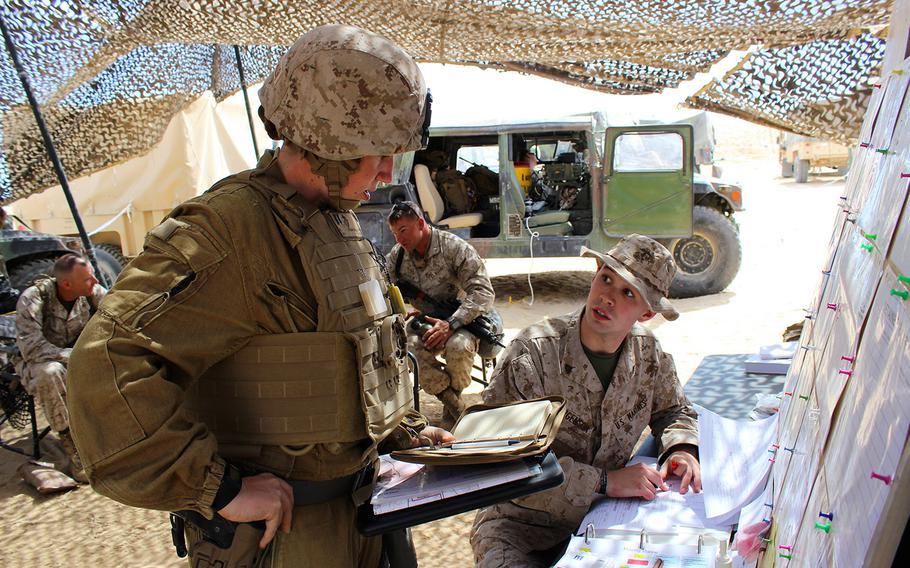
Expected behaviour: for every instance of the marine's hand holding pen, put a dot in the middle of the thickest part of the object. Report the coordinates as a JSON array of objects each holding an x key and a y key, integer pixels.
[
  {"x": 433, "y": 436},
  {"x": 637, "y": 480},
  {"x": 686, "y": 466}
]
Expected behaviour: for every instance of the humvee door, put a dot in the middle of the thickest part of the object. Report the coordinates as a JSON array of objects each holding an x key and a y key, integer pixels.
[{"x": 648, "y": 181}]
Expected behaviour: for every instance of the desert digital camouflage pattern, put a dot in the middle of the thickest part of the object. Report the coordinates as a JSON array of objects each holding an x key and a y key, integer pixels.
[
  {"x": 45, "y": 335},
  {"x": 343, "y": 93},
  {"x": 451, "y": 269},
  {"x": 599, "y": 430},
  {"x": 109, "y": 76}
]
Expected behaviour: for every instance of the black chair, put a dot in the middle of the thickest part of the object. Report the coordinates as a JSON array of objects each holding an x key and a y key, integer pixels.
[{"x": 17, "y": 406}]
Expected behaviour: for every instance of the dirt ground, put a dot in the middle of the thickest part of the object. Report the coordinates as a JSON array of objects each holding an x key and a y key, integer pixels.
[{"x": 785, "y": 231}]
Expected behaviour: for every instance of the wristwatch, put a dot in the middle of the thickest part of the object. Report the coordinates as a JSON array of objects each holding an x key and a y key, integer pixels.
[
  {"x": 603, "y": 483},
  {"x": 454, "y": 324}
]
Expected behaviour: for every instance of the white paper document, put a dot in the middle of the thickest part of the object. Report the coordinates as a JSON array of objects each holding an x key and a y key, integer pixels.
[
  {"x": 402, "y": 485},
  {"x": 735, "y": 460},
  {"x": 668, "y": 510}
]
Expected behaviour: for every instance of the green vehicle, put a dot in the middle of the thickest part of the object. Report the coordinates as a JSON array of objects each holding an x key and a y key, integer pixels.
[{"x": 547, "y": 188}]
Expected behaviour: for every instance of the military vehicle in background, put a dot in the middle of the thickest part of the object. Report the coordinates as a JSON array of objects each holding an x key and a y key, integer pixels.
[
  {"x": 547, "y": 188},
  {"x": 29, "y": 255},
  {"x": 799, "y": 154}
]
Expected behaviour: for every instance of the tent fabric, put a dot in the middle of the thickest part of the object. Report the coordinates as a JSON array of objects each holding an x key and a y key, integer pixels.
[
  {"x": 820, "y": 88},
  {"x": 109, "y": 74}
]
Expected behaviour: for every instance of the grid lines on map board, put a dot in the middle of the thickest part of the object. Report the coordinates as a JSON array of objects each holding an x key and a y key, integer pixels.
[{"x": 109, "y": 74}]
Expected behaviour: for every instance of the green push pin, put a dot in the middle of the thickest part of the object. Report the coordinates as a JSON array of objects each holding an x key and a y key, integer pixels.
[
  {"x": 804, "y": 396},
  {"x": 902, "y": 294},
  {"x": 826, "y": 528},
  {"x": 867, "y": 247},
  {"x": 904, "y": 279},
  {"x": 787, "y": 556},
  {"x": 883, "y": 150},
  {"x": 870, "y": 236}
]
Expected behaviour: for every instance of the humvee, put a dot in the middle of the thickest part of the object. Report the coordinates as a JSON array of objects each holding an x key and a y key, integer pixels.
[{"x": 547, "y": 188}]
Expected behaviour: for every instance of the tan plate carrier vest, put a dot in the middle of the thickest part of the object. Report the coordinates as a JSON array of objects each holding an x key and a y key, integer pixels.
[{"x": 345, "y": 382}]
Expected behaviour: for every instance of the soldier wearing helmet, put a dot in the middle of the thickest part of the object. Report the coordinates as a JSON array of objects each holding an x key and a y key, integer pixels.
[{"x": 248, "y": 364}]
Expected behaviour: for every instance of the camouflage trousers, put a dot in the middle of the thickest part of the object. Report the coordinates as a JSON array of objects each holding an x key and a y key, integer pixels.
[
  {"x": 47, "y": 383},
  {"x": 321, "y": 535},
  {"x": 455, "y": 368},
  {"x": 529, "y": 542}
]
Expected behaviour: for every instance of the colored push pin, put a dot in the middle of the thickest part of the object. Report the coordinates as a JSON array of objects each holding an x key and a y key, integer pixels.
[
  {"x": 886, "y": 479},
  {"x": 870, "y": 236},
  {"x": 868, "y": 247},
  {"x": 829, "y": 516},
  {"x": 883, "y": 151},
  {"x": 847, "y": 372},
  {"x": 788, "y": 393},
  {"x": 787, "y": 556},
  {"x": 772, "y": 460},
  {"x": 897, "y": 71},
  {"x": 769, "y": 505},
  {"x": 901, "y": 277},
  {"x": 832, "y": 306},
  {"x": 863, "y": 144},
  {"x": 775, "y": 446},
  {"x": 789, "y": 449},
  {"x": 804, "y": 397},
  {"x": 772, "y": 450},
  {"x": 786, "y": 547},
  {"x": 877, "y": 86},
  {"x": 903, "y": 175},
  {"x": 766, "y": 520},
  {"x": 824, "y": 527},
  {"x": 901, "y": 294},
  {"x": 848, "y": 359}
]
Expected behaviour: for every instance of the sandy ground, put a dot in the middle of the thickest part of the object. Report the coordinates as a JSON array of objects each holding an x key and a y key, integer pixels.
[{"x": 785, "y": 231}]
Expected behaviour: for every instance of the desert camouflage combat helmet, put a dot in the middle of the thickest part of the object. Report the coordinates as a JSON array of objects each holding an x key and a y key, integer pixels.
[{"x": 341, "y": 93}]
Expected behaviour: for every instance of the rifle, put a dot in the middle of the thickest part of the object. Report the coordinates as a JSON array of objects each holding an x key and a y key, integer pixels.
[{"x": 483, "y": 327}]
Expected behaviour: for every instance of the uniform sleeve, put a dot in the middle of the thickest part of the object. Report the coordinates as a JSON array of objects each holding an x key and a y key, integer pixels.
[
  {"x": 518, "y": 376},
  {"x": 35, "y": 348},
  {"x": 673, "y": 420},
  {"x": 177, "y": 308},
  {"x": 471, "y": 274}
]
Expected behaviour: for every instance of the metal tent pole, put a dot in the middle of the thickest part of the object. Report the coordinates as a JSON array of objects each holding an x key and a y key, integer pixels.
[
  {"x": 51, "y": 150},
  {"x": 246, "y": 100}
]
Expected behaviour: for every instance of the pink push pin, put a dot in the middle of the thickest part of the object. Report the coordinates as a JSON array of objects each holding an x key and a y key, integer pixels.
[
  {"x": 903, "y": 175},
  {"x": 775, "y": 446},
  {"x": 772, "y": 460},
  {"x": 877, "y": 86},
  {"x": 832, "y": 306},
  {"x": 848, "y": 359},
  {"x": 863, "y": 144},
  {"x": 785, "y": 547},
  {"x": 886, "y": 479},
  {"x": 847, "y": 372}
]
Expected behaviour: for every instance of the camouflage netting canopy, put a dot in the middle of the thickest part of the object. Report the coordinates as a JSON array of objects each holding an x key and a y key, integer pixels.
[
  {"x": 820, "y": 88},
  {"x": 109, "y": 74}
]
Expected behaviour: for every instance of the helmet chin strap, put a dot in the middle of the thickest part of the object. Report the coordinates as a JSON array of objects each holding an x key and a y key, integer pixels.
[{"x": 336, "y": 174}]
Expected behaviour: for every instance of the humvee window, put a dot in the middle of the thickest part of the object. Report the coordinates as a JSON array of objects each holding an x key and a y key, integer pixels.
[
  {"x": 478, "y": 155},
  {"x": 648, "y": 152}
]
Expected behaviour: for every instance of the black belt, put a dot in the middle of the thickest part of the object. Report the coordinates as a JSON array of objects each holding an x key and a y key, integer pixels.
[{"x": 312, "y": 492}]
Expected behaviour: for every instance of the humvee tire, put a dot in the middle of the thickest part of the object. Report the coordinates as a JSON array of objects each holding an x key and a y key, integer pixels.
[
  {"x": 24, "y": 274},
  {"x": 108, "y": 264},
  {"x": 708, "y": 260},
  {"x": 786, "y": 169},
  {"x": 801, "y": 171}
]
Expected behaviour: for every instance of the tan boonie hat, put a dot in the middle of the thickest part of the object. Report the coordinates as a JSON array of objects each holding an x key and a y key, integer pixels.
[
  {"x": 342, "y": 93},
  {"x": 645, "y": 264}
]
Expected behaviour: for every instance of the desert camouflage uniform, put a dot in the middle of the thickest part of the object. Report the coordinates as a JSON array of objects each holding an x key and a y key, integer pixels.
[
  {"x": 599, "y": 430},
  {"x": 450, "y": 268},
  {"x": 45, "y": 335}
]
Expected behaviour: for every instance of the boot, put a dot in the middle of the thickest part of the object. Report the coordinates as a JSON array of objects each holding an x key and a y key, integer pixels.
[
  {"x": 76, "y": 471},
  {"x": 452, "y": 407}
]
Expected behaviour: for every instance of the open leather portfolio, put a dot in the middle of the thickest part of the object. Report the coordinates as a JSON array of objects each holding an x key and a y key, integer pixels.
[{"x": 496, "y": 433}]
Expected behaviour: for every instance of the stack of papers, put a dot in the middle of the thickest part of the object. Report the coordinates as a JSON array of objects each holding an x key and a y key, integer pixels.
[
  {"x": 609, "y": 553},
  {"x": 402, "y": 485},
  {"x": 772, "y": 359}
]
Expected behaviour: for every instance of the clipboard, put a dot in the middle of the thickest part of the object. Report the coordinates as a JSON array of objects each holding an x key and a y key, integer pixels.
[{"x": 551, "y": 475}]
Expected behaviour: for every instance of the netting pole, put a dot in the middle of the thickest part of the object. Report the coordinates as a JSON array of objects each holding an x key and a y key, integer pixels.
[
  {"x": 51, "y": 151},
  {"x": 246, "y": 100}
]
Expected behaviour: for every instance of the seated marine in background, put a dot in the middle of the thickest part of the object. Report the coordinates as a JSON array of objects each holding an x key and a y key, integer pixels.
[{"x": 440, "y": 267}]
